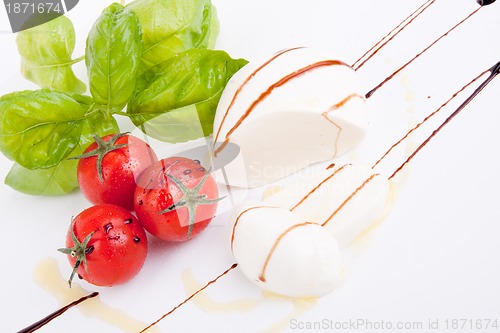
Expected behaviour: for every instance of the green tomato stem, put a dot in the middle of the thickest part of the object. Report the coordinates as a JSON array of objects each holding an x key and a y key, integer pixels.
[{"x": 190, "y": 199}]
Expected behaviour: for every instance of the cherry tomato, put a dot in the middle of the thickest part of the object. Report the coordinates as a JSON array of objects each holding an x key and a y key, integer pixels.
[
  {"x": 106, "y": 245},
  {"x": 176, "y": 198},
  {"x": 109, "y": 167}
]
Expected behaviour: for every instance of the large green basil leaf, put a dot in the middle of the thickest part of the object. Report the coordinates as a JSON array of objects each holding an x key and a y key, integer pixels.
[
  {"x": 176, "y": 100},
  {"x": 173, "y": 26},
  {"x": 61, "y": 179},
  {"x": 112, "y": 56},
  {"x": 39, "y": 128},
  {"x": 46, "y": 52}
]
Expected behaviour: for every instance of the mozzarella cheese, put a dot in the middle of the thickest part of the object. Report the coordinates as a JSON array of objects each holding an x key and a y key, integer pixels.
[
  {"x": 293, "y": 109},
  {"x": 345, "y": 199},
  {"x": 283, "y": 253}
]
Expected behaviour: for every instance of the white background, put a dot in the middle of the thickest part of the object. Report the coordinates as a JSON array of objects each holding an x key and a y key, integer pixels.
[{"x": 435, "y": 257}]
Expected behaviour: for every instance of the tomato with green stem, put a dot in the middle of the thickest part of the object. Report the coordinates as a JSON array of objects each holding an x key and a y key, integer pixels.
[
  {"x": 176, "y": 198},
  {"x": 106, "y": 245},
  {"x": 109, "y": 167}
]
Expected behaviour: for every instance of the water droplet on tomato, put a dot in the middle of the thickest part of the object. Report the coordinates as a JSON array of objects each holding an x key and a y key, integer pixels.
[{"x": 107, "y": 228}]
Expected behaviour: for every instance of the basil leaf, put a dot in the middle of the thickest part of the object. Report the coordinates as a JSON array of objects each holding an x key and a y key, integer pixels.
[
  {"x": 173, "y": 26},
  {"x": 112, "y": 56},
  {"x": 39, "y": 128},
  {"x": 61, "y": 179},
  {"x": 57, "y": 180},
  {"x": 46, "y": 55},
  {"x": 176, "y": 100}
]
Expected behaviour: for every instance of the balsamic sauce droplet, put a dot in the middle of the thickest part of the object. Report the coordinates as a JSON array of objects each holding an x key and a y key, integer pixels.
[
  {"x": 485, "y": 2},
  {"x": 187, "y": 172},
  {"x": 128, "y": 221},
  {"x": 137, "y": 239}
]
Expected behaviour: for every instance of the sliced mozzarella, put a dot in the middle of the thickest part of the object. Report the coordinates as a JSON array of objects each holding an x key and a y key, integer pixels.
[
  {"x": 296, "y": 108},
  {"x": 346, "y": 200},
  {"x": 283, "y": 253}
]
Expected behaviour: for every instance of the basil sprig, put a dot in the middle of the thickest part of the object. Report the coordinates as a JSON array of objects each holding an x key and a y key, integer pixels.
[{"x": 149, "y": 57}]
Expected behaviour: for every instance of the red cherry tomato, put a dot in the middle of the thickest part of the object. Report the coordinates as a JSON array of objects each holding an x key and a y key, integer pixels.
[
  {"x": 109, "y": 167},
  {"x": 176, "y": 198},
  {"x": 106, "y": 245}
]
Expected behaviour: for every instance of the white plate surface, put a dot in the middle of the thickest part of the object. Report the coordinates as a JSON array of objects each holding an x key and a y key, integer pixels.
[{"x": 434, "y": 261}]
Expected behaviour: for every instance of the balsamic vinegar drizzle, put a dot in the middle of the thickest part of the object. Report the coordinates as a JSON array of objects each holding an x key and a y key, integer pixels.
[
  {"x": 390, "y": 77},
  {"x": 319, "y": 185},
  {"x": 233, "y": 266},
  {"x": 240, "y": 215},
  {"x": 390, "y": 36},
  {"x": 42, "y": 322},
  {"x": 494, "y": 71},
  {"x": 262, "y": 276},
  {"x": 349, "y": 198}
]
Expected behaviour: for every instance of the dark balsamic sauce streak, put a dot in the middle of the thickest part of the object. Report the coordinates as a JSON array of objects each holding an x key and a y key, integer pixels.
[
  {"x": 262, "y": 276},
  {"x": 39, "y": 324},
  {"x": 319, "y": 185},
  {"x": 349, "y": 198},
  {"x": 391, "y": 35},
  {"x": 239, "y": 217},
  {"x": 390, "y": 77},
  {"x": 427, "y": 118},
  {"x": 494, "y": 71},
  {"x": 233, "y": 266}
]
